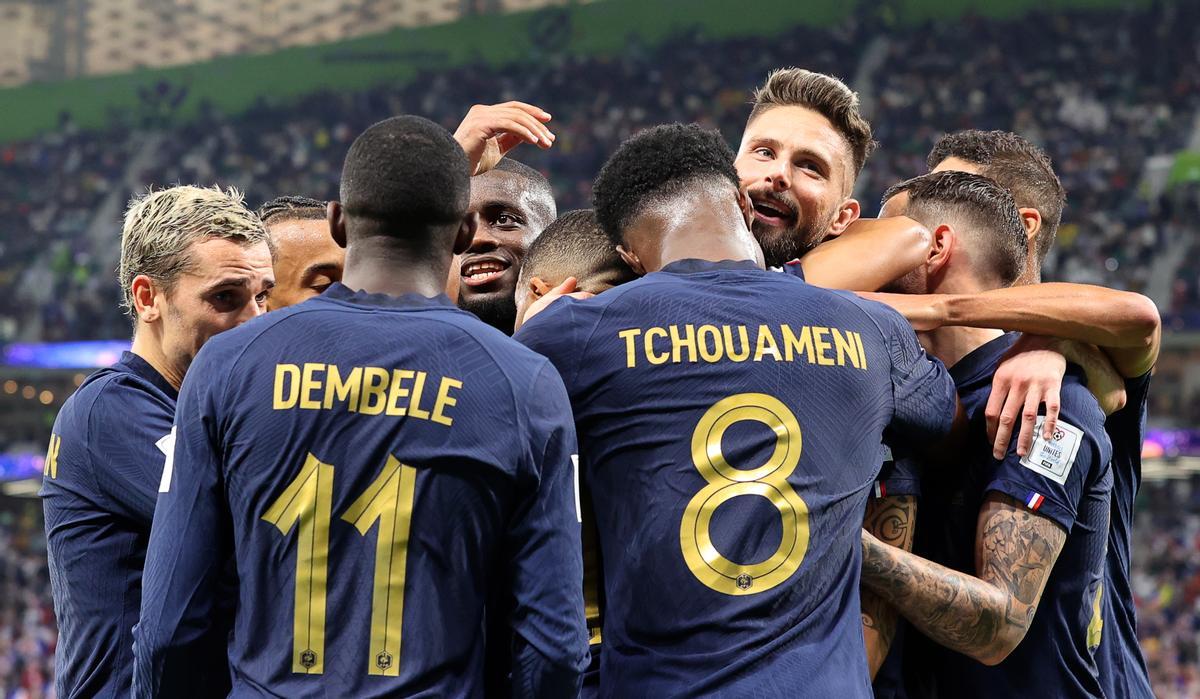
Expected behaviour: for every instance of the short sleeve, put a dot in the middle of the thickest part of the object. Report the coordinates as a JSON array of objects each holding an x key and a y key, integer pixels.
[
  {"x": 923, "y": 395},
  {"x": 900, "y": 473},
  {"x": 1052, "y": 479}
]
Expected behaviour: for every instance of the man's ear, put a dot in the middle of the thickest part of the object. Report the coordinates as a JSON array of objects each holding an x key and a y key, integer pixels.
[
  {"x": 466, "y": 233},
  {"x": 1032, "y": 219},
  {"x": 538, "y": 287},
  {"x": 631, "y": 259},
  {"x": 145, "y": 299},
  {"x": 337, "y": 222},
  {"x": 746, "y": 206},
  {"x": 944, "y": 240},
  {"x": 848, "y": 213}
]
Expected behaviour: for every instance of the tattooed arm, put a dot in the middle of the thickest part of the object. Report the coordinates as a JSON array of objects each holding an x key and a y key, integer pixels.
[
  {"x": 891, "y": 520},
  {"x": 984, "y": 617}
]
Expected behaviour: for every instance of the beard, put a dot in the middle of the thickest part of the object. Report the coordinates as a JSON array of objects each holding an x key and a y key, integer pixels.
[
  {"x": 497, "y": 310},
  {"x": 782, "y": 245}
]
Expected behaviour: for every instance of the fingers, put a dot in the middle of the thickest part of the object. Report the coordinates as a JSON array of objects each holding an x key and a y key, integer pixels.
[
  {"x": 1029, "y": 420},
  {"x": 567, "y": 286},
  {"x": 991, "y": 412},
  {"x": 532, "y": 110},
  {"x": 519, "y": 118},
  {"x": 1052, "y": 408},
  {"x": 1006, "y": 421}
]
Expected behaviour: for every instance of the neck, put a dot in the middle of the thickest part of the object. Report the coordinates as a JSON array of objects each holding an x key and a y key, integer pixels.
[
  {"x": 698, "y": 228},
  {"x": 951, "y": 343},
  {"x": 147, "y": 344},
  {"x": 378, "y": 265}
]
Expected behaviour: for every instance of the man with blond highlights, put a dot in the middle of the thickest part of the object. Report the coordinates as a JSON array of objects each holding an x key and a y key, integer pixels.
[{"x": 194, "y": 262}]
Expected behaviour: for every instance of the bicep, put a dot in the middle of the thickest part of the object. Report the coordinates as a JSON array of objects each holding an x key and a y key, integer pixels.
[
  {"x": 1015, "y": 550},
  {"x": 892, "y": 520}
]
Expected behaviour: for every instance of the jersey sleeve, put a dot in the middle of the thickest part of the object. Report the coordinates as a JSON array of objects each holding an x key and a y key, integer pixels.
[
  {"x": 923, "y": 394},
  {"x": 545, "y": 563},
  {"x": 127, "y": 458},
  {"x": 900, "y": 473},
  {"x": 190, "y": 546},
  {"x": 1052, "y": 478},
  {"x": 555, "y": 334}
]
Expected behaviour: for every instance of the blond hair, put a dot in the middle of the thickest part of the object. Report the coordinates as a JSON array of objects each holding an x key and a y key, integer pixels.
[
  {"x": 160, "y": 227},
  {"x": 824, "y": 94}
]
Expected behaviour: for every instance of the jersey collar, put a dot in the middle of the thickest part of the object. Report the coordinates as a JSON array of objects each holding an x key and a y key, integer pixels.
[
  {"x": 339, "y": 292},
  {"x": 981, "y": 362},
  {"x": 140, "y": 367},
  {"x": 690, "y": 266}
]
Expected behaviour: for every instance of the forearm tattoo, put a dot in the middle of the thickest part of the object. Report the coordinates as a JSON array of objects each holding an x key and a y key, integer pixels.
[
  {"x": 891, "y": 521},
  {"x": 982, "y": 616}
]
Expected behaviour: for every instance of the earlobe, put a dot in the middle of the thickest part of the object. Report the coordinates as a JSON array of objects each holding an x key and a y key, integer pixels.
[
  {"x": 466, "y": 233},
  {"x": 746, "y": 206},
  {"x": 337, "y": 222},
  {"x": 631, "y": 259},
  {"x": 1032, "y": 219},
  {"x": 943, "y": 244},
  {"x": 144, "y": 306}
]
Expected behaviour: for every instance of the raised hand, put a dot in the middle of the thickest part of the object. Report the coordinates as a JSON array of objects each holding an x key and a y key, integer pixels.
[{"x": 489, "y": 131}]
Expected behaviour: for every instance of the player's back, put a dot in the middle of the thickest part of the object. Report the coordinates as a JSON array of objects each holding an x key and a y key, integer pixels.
[
  {"x": 730, "y": 422},
  {"x": 380, "y": 458}
]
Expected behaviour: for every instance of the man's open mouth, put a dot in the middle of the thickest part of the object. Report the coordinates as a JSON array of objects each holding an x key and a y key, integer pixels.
[{"x": 481, "y": 271}]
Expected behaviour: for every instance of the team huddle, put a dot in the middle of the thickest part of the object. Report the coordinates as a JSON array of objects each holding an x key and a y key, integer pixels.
[{"x": 673, "y": 445}]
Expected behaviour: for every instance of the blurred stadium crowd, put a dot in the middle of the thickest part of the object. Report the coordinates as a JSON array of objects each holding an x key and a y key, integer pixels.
[{"x": 1102, "y": 92}]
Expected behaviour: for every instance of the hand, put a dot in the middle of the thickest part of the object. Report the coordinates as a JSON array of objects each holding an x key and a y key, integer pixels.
[
  {"x": 1029, "y": 375},
  {"x": 922, "y": 311},
  {"x": 488, "y": 132},
  {"x": 567, "y": 288}
]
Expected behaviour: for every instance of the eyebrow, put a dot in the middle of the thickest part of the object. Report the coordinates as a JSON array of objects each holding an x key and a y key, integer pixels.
[
  {"x": 319, "y": 267},
  {"x": 268, "y": 283}
]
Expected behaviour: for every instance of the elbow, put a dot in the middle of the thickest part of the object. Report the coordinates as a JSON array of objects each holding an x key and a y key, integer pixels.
[
  {"x": 920, "y": 240},
  {"x": 1005, "y": 643},
  {"x": 1144, "y": 320}
]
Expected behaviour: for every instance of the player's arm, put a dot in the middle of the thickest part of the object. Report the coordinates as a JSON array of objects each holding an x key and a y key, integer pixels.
[
  {"x": 870, "y": 254},
  {"x": 550, "y": 644},
  {"x": 489, "y": 131},
  {"x": 129, "y": 459},
  {"x": 984, "y": 616},
  {"x": 1125, "y": 325},
  {"x": 891, "y": 520},
  {"x": 190, "y": 544}
]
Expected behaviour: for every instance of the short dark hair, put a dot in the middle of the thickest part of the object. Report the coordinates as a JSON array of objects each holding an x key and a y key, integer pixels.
[
  {"x": 406, "y": 173},
  {"x": 980, "y": 205},
  {"x": 1018, "y": 165},
  {"x": 574, "y": 243},
  {"x": 655, "y": 163},
  {"x": 536, "y": 183},
  {"x": 291, "y": 208},
  {"x": 825, "y": 95}
]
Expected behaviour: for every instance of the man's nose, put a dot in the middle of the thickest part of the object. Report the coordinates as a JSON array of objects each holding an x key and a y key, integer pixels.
[{"x": 780, "y": 175}]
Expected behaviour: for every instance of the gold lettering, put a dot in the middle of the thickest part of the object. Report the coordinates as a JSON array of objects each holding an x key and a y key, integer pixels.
[
  {"x": 845, "y": 348},
  {"x": 652, "y": 356},
  {"x": 678, "y": 343},
  {"x": 342, "y": 391},
  {"x": 794, "y": 346},
  {"x": 862, "y": 354},
  {"x": 414, "y": 406},
  {"x": 629, "y": 336},
  {"x": 742, "y": 354},
  {"x": 374, "y": 390},
  {"x": 445, "y": 401},
  {"x": 710, "y": 355},
  {"x": 283, "y": 401},
  {"x": 309, "y": 384},
  {"x": 398, "y": 391},
  {"x": 821, "y": 345},
  {"x": 766, "y": 345}
]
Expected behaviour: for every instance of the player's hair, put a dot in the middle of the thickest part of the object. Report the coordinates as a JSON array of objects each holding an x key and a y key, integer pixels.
[
  {"x": 1020, "y": 166},
  {"x": 291, "y": 208},
  {"x": 983, "y": 209},
  {"x": 405, "y": 178},
  {"x": 825, "y": 95},
  {"x": 160, "y": 227},
  {"x": 655, "y": 164},
  {"x": 535, "y": 182},
  {"x": 575, "y": 244}
]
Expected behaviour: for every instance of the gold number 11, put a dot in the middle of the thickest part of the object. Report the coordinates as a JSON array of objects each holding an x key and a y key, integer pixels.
[{"x": 306, "y": 502}]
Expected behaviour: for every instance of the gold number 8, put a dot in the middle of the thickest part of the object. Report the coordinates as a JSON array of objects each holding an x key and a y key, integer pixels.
[{"x": 726, "y": 482}]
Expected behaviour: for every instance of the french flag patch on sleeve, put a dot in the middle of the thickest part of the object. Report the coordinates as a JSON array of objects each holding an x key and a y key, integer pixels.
[
  {"x": 1034, "y": 500},
  {"x": 880, "y": 489}
]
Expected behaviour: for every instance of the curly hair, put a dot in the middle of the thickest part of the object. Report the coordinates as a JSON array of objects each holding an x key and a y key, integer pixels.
[{"x": 656, "y": 163}]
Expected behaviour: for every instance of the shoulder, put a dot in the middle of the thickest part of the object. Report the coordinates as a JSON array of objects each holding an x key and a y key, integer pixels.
[
  {"x": 111, "y": 394},
  {"x": 1081, "y": 411}
]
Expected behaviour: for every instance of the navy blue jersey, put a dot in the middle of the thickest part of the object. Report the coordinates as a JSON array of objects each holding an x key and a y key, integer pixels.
[
  {"x": 378, "y": 468},
  {"x": 1122, "y": 667},
  {"x": 1067, "y": 479},
  {"x": 101, "y": 478},
  {"x": 730, "y": 424}
]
